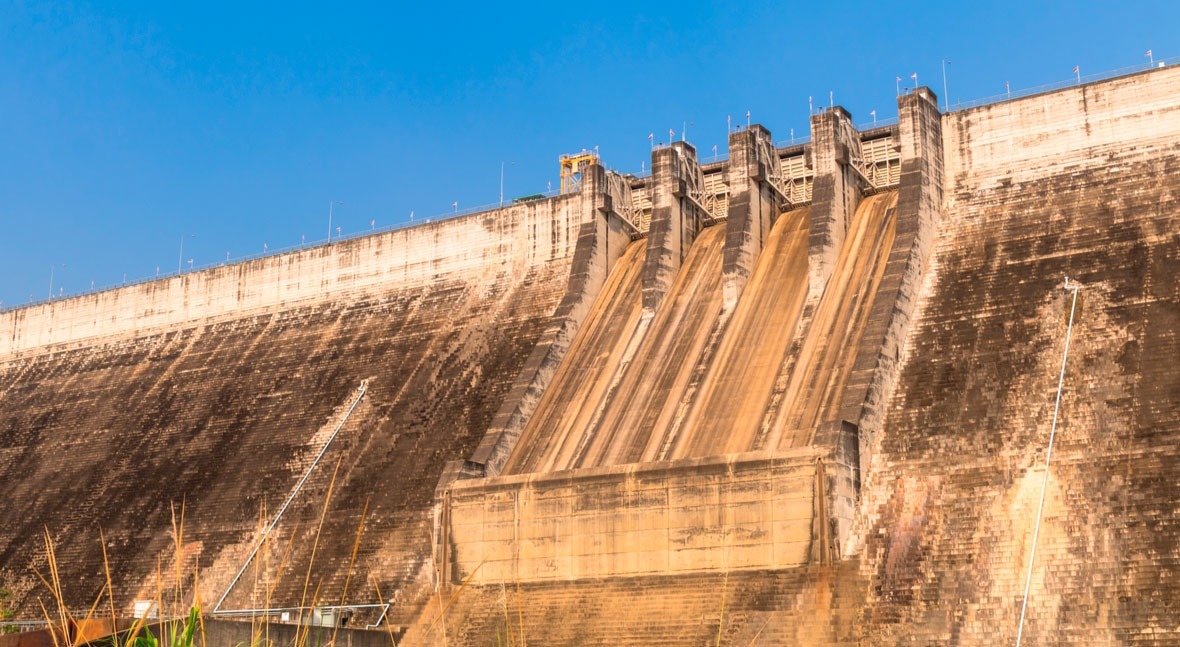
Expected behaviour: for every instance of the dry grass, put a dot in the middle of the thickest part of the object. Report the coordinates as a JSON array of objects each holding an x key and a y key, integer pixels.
[{"x": 182, "y": 621}]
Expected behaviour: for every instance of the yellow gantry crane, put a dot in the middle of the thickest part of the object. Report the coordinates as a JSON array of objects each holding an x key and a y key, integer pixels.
[{"x": 571, "y": 169}]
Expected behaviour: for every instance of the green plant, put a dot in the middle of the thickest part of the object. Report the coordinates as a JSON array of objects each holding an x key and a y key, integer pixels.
[
  {"x": 173, "y": 633},
  {"x": 7, "y": 611}
]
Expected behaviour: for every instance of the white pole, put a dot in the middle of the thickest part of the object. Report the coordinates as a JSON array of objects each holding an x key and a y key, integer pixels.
[
  {"x": 51, "y": 268},
  {"x": 501, "y": 183},
  {"x": 946, "y": 100},
  {"x": 330, "y": 205},
  {"x": 1048, "y": 456},
  {"x": 180, "y": 259}
]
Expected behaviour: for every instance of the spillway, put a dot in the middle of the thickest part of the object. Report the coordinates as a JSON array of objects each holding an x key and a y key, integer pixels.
[
  {"x": 658, "y": 376},
  {"x": 625, "y": 374},
  {"x": 688, "y": 383},
  {"x": 736, "y": 393},
  {"x": 826, "y": 356},
  {"x": 581, "y": 384}
]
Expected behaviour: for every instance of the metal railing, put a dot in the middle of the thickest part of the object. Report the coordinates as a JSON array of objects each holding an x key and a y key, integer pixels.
[
  {"x": 787, "y": 143},
  {"x": 279, "y": 251},
  {"x": 359, "y": 394},
  {"x": 880, "y": 123},
  {"x": 271, "y": 611},
  {"x": 32, "y": 625},
  {"x": 1069, "y": 83}
]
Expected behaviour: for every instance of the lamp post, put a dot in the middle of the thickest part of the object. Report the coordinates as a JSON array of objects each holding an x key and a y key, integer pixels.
[
  {"x": 52, "y": 267},
  {"x": 180, "y": 257},
  {"x": 502, "y": 181},
  {"x": 946, "y": 100},
  {"x": 330, "y": 206}
]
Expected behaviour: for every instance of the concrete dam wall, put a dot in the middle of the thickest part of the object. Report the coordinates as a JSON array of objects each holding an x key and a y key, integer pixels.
[
  {"x": 937, "y": 400},
  {"x": 217, "y": 390},
  {"x": 801, "y": 396}
]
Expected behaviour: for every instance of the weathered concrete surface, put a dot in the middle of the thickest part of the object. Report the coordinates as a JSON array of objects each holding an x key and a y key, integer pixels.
[
  {"x": 732, "y": 400},
  {"x": 1080, "y": 183},
  {"x": 676, "y": 219},
  {"x": 834, "y": 143},
  {"x": 870, "y": 381},
  {"x": 225, "y": 414},
  {"x": 657, "y": 376},
  {"x": 729, "y": 513},
  {"x": 629, "y": 407},
  {"x": 603, "y": 239},
  {"x": 752, "y": 209},
  {"x": 692, "y": 382},
  {"x": 820, "y": 362},
  {"x": 814, "y": 605},
  {"x": 411, "y": 257},
  {"x": 579, "y": 391}
]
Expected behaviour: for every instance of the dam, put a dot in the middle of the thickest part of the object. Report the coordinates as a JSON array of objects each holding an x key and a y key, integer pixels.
[{"x": 798, "y": 396}]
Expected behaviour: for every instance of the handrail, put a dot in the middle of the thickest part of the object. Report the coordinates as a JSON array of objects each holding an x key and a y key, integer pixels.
[
  {"x": 880, "y": 123},
  {"x": 1060, "y": 85},
  {"x": 1032, "y": 557},
  {"x": 384, "y": 606},
  {"x": 787, "y": 143},
  {"x": 360, "y": 393}
]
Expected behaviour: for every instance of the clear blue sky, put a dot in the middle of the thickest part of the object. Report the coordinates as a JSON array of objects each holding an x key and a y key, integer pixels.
[{"x": 124, "y": 126}]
